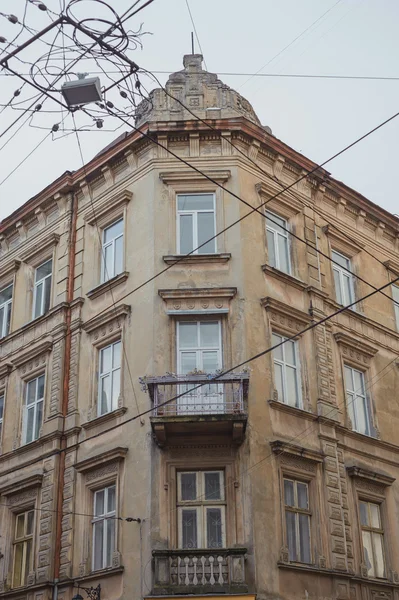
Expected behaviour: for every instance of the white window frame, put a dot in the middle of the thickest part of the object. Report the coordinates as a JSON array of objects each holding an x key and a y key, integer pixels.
[
  {"x": 194, "y": 214},
  {"x": 270, "y": 227},
  {"x": 373, "y": 531},
  {"x": 284, "y": 364},
  {"x": 111, "y": 373},
  {"x": 103, "y": 518},
  {"x": 198, "y": 349},
  {"x": 24, "y": 540},
  {"x": 7, "y": 308},
  {"x": 342, "y": 272},
  {"x": 42, "y": 281},
  {"x": 2, "y": 405},
  {"x": 33, "y": 406},
  {"x": 395, "y": 298},
  {"x": 357, "y": 394},
  {"x": 200, "y": 505},
  {"x": 296, "y": 510},
  {"x": 105, "y": 275}
]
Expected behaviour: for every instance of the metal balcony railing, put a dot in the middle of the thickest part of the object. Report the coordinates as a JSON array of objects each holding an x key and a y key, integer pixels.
[{"x": 180, "y": 395}]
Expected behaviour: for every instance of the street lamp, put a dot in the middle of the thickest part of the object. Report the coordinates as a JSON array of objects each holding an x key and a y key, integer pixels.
[
  {"x": 81, "y": 91},
  {"x": 92, "y": 593}
]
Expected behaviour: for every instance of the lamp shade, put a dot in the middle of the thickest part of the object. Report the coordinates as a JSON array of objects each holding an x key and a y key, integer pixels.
[{"x": 81, "y": 91}]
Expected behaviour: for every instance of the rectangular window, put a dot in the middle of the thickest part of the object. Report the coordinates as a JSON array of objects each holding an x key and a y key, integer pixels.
[
  {"x": 395, "y": 296},
  {"x": 196, "y": 223},
  {"x": 201, "y": 509},
  {"x": 112, "y": 251},
  {"x": 199, "y": 347},
  {"x": 372, "y": 538},
  {"x": 23, "y": 543},
  {"x": 297, "y": 520},
  {"x": 356, "y": 398},
  {"x": 104, "y": 529},
  {"x": 277, "y": 242},
  {"x": 109, "y": 378},
  {"x": 1, "y": 413},
  {"x": 5, "y": 310},
  {"x": 33, "y": 409},
  {"x": 42, "y": 292},
  {"x": 287, "y": 371},
  {"x": 343, "y": 279}
]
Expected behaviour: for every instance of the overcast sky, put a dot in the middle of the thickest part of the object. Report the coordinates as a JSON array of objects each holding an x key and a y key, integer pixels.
[{"x": 317, "y": 117}]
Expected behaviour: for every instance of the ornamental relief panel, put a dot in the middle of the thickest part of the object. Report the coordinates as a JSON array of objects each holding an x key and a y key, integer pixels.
[
  {"x": 102, "y": 471},
  {"x": 22, "y": 498},
  {"x": 297, "y": 463}
]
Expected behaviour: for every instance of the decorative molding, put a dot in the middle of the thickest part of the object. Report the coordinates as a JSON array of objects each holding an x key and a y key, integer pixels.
[
  {"x": 281, "y": 448},
  {"x": 370, "y": 476},
  {"x": 33, "y": 481},
  {"x": 106, "y": 286},
  {"x": 5, "y": 368},
  {"x": 292, "y": 410},
  {"x": 354, "y": 349},
  {"x": 341, "y": 242},
  {"x": 110, "y": 416},
  {"x": 183, "y": 301},
  {"x": 106, "y": 318},
  {"x": 31, "y": 254},
  {"x": 285, "y": 318},
  {"x": 285, "y": 205},
  {"x": 33, "y": 355},
  {"x": 101, "y": 472},
  {"x": 8, "y": 270},
  {"x": 284, "y": 277},
  {"x": 100, "y": 460},
  {"x": 392, "y": 266},
  {"x": 197, "y": 259},
  {"x": 108, "y": 209},
  {"x": 171, "y": 177}
]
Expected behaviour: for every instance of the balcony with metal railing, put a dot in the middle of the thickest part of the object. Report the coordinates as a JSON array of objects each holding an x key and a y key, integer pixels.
[{"x": 187, "y": 406}]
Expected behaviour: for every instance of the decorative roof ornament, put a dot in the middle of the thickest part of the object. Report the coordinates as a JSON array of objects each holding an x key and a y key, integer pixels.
[{"x": 202, "y": 92}]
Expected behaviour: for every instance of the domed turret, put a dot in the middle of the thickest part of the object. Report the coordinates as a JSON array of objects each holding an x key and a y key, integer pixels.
[{"x": 202, "y": 92}]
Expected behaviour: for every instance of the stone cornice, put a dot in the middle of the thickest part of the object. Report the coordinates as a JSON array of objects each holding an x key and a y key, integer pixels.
[
  {"x": 31, "y": 253},
  {"x": 280, "y": 447},
  {"x": 171, "y": 177},
  {"x": 341, "y": 242},
  {"x": 284, "y": 277},
  {"x": 355, "y": 344},
  {"x": 8, "y": 269},
  {"x": 392, "y": 266},
  {"x": 113, "y": 204},
  {"x": 284, "y": 317},
  {"x": 106, "y": 286},
  {"x": 116, "y": 454},
  {"x": 197, "y": 300},
  {"x": 365, "y": 474},
  {"x": 5, "y": 368},
  {"x": 197, "y": 259},
  {"x": 115, "y": 312},
  {"x": 32, "y": 352},
  {"x": 21, "y": 484},
  {"x": 288, "y": 203}
]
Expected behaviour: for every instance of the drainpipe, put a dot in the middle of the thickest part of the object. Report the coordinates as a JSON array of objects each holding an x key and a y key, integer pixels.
[{"x": 64, "y": 403}]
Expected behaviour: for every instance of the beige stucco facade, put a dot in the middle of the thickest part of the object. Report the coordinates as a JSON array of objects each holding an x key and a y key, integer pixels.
[{"x": 257, "y": 438}]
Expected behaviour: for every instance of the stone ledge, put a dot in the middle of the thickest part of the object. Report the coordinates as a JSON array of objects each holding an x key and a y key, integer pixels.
[
  {"x": 196, "y": 259},
  {"x": 88, "y": 464},
  {"x": 99, "y": 574},
  {"x": 284, "y": 277},
  {"x": 292, "y": 410},
  {"x": 106, "y": 286},
  {"x": 104, "y": 418}
]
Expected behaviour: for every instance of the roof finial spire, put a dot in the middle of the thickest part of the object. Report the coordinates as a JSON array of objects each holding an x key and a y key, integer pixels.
[{"x": 192, "y": 43}]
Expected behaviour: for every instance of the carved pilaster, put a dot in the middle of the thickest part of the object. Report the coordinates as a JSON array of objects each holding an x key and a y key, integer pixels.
[
  {"x": 73, "y": 372},
  {"x": 56, "y": 378}
]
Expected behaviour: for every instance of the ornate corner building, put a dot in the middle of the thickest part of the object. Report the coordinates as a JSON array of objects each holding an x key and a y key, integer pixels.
[{"x": 126, "y": 287}]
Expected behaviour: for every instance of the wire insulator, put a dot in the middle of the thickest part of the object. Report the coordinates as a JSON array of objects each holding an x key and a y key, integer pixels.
[
  {"x": 2, "y": 40},
  {"x": 123, "y": 93},
  {"x": 99, "y": 123},
  {"x": 41, "y": 6},
  {"x": 109, "y": 104},
  {"x": 38, "y": 107},
  {"x": 13, "y": 19},
  {"x": 17, "y": 92},
  {"x": 55, "y": 127}
]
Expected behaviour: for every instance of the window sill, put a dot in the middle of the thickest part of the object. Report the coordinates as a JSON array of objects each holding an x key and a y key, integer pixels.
[
  {"x": 100, "y": 574},
  {"x": 284, "y": 277},
  {"x": 107, "y": 285},
  {"x": 297, "y": 412},
  {"x": 341, "y": 574},
  {"x": 114, "y": 414},
  {"x": 197, "y": 259}
]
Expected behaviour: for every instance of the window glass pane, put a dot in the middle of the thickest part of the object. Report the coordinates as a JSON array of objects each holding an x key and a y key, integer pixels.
[
  {"x": 189, "y": 528},
  {"x": 186, "y": 234},
  {"x": 116, "y": 387},
  {"x": 188, "y": 362},
  {"x": 47, "y": 294},
  {"x": 108, "y": 257},
  {"x": 290, "y": 357},
  {"x": 105, "y": 357},
  {"x": 337, "y": 284},
  {"x": 291, "y": 534},
  {"x": 39, "y": 418},
  {"x": 368, "y": 553},
  {"x": 27, "y": 559},
  {"x": 282, "y": 244},
  {"x": 348, "y": 378},
  {"x": 44, "y": 270},
  {"x": 289, "y": 492},
  {"x": 212, "y": 486},
  {"x": 271, "y": 252},
  {"x": 195, "y": 202},
  {"x": 275, "y": 222},
  {"x": 110, "y": 524},
  {"x": 187, "y": 335},
  {"x": 214, "y": 528},
  {"x": 7, "y": 319},
  {"x": 361, "y": 416},
  {"x": 188, "y": 483},
  {"x": 31, "y": 391},
  {"x": 2, "y": 320},
  {"x": 116, "y": 362},
  {"x": 99, "y": 503},
  {"x": 364, "y": 519},
  {"x": 38, "y": 300},
  {"x": 40, "y": 386},
  {"x": 118, "y": 256},
  {"x": 304, "y": 538},
  {"x": 113, "y": 231},
  {"x": 105, "y": 395},
  {"x": 209, "y": 334},
  {"x": 292, "y": 387},
  {"x": 277, "y": 352},
  {"x": 1, "y": 406},
  {"x": 375, "y": 515},
  {"x": 18, "y": 559},
  {"x": 278, "y": 374},
  {"x": 351, "y": 410},
  {"x": 29, "y": 424},
  {"x": 206, "y": 230},
  {"x": 348, "y": 296},
  {"x": 20, "y": 526},
  {"x": 358, "y": 379},
  {"x": 6, "y": 294},
  {"x": 111, "y": 499},
  {"x": 29, "y": 522},
  {"x": 210, "y": 362},
  {"x": 98, "y": 545},
  {"x": 379, "y": 555},
  {"x": 302, "y": 492},
  {"x": 340, "y": 259}
]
